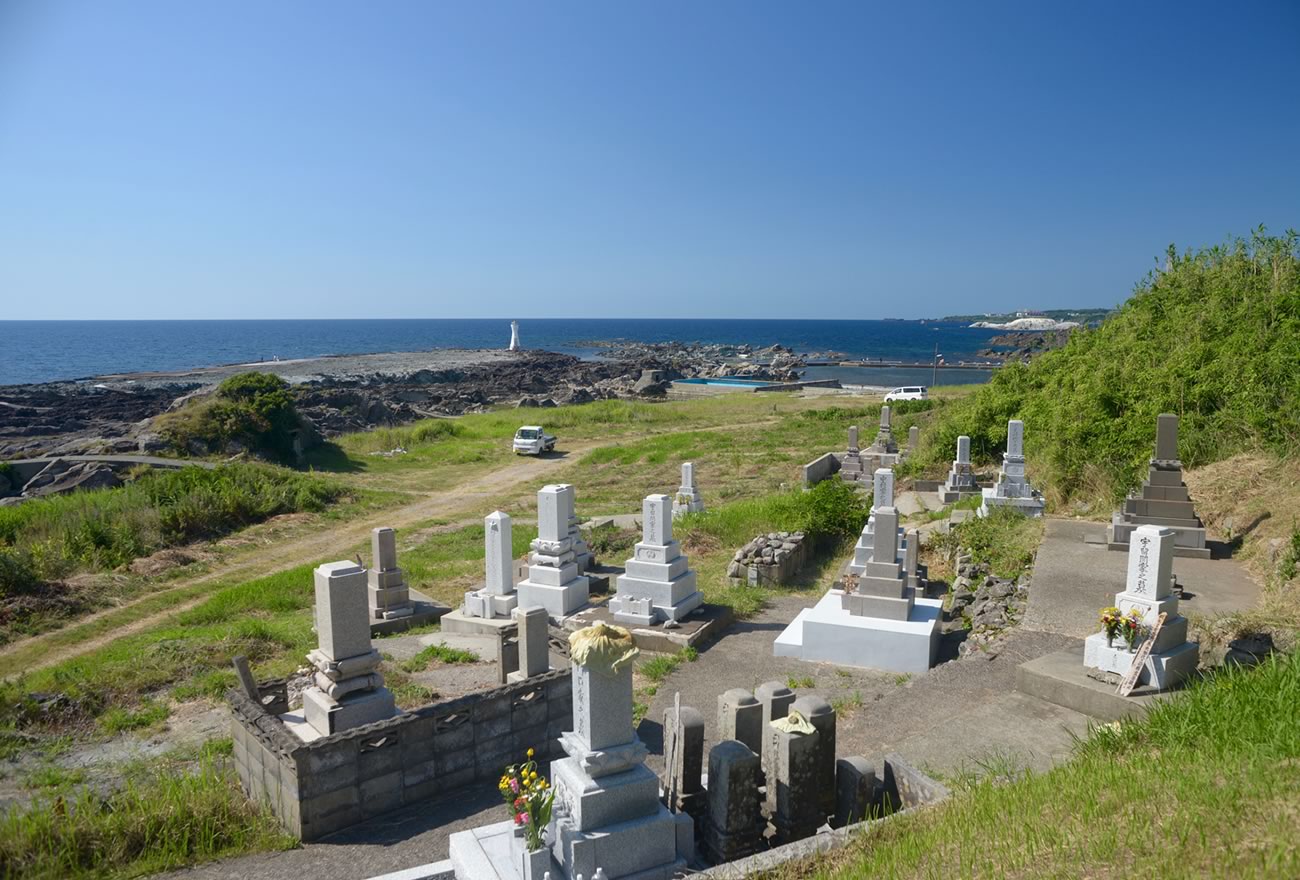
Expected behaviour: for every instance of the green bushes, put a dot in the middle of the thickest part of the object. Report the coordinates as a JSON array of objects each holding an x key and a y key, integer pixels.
[
  {"x": 1005, "y": 539},
  {"x": 254, "y": 410},
  {"x": 1215, "y": 338},
  {"x": 48, "y": 538},
  {"x": 828, "y": 513}
]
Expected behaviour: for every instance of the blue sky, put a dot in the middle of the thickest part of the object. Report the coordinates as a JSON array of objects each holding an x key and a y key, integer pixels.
[{"x": 426, "y": 159}]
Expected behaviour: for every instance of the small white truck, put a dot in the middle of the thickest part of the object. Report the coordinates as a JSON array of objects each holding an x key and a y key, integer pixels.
[{"x": 532, "y": 440}]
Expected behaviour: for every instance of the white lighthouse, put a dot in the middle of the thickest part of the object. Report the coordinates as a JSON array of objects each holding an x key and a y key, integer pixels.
[{"x": 514, "y": 336}]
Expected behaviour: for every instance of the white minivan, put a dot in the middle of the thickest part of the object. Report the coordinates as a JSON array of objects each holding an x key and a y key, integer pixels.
[{"x": 911, "y": 392}]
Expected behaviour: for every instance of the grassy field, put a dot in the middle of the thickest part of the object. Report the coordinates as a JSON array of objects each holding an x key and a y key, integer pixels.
[{"x": 1207, "y": 786}]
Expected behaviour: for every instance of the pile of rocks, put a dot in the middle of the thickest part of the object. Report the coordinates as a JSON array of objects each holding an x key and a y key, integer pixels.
[
  {"x": 57, "y": 477},
  {"x": 987, "y": 603},
  {"x": 773, "y": 558}
]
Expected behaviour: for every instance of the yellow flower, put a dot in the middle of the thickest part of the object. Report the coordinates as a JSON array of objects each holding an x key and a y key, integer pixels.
[{"x": 530, "y": 753}]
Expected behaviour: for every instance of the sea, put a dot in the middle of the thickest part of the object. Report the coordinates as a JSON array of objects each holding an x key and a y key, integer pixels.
[{"x": 49, "y": 351}]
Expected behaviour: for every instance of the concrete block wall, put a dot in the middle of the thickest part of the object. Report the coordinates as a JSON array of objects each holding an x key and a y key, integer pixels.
[
  {"x": 819, "y": 469},
  {"x": 324, "y": 786}
]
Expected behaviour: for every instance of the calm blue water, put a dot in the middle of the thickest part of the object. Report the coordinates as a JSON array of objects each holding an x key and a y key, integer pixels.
[{"x": 45, "y": 351}]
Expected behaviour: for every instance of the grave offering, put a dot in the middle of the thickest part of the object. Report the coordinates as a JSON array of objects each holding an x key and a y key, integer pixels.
[
  {"x": 1163, "y": 499},
  {"x": 657, "y": 584},
  {"x": 554, "y": 581},
  {"x": 961, "y": 478},
  {"x": 1012, "y": 488},
  {"x": 347, "y": 689},
  {"x": 1149, "y": 591},
  {"x": 688, "y": 498},
  {"x": 877, "y": 616}
]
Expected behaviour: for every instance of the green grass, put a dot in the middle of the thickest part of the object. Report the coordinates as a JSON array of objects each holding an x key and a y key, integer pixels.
[
  {"x": 118, "y": 719},
  {"x": 846, "y": 704},
  {"x": 162, "y": 821},
  {"x": 439, "y": 654},
  {"x": 1207, "y": 786},
  {"x": 806, "y": 681}
]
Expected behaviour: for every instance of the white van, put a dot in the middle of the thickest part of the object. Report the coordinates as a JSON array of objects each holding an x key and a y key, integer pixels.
[{"x": 911, "y": 392}]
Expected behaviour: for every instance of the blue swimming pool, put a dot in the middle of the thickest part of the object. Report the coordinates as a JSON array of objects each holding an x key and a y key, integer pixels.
[{"x": 729, "y": 382}]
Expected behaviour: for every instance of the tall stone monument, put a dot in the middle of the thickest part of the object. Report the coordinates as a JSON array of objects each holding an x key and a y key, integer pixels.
[
  {"x": 1149, "y": 589},
  {"x": 882, "y": 496},
  {"x": 607, "y": 808},
  {"x": 553, "y": 579},
  {"x": 657, "y": 584},
  {"x": 878, "y": 616},
  {"x": 883, "y": 451},
  {"x": 497, "y": 598},
  {"x": 347, "y": 688},
  {"x": 581, "y": 553},
  {"x": 1012, "y": 488},
  {"x": 688, "y": 499},
  {"x": 389, "y": 596},
  {"x": 1163, "y": 499},
  {"x": 852, "y": 467},
  {"x": 961, "y": 477}
]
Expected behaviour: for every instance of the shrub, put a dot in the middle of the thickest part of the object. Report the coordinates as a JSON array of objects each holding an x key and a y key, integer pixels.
[{"x": 254, "y": 410}]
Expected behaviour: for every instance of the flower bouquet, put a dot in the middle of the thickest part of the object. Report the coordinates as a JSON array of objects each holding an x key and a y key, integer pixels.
[
  {"x": 1132, "y": 629},
  {"x": 1111, "y": 621},
  {"x": 529, "y": 798}
]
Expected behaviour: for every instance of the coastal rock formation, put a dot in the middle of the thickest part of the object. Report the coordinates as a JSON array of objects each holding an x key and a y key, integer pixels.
[{"x": 1024, "y": 344}]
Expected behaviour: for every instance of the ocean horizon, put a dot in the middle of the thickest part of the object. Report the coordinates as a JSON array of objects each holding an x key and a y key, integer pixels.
[{"x": 57, "y": 350}]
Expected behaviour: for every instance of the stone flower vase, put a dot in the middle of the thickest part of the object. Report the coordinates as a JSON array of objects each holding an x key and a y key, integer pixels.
[{"x": 532, "y": 865}]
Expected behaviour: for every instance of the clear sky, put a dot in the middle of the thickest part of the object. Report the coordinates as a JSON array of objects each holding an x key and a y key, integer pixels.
[{"x": 232, "y": 159}]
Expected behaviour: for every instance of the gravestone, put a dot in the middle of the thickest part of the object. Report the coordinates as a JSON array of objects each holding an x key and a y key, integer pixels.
[
  {"x": 607, "y": 811},
  {"x": 733, "y": 827},
  {"x": 347, "y": 689},
  {"x": 883, "y": 451},
  {"x": 913, "y": 438},
  {"x": 855, "y": 791},
  {"x": 822, "y": 717},
  {"x": 1012, "y": 489},
  {"x": 961, "y": 477},
  {"x": 389, "y": 597},
  {"x": 851, "y": 466},
  {"x": 684, "y": 761},
  {"x": 497, "y": 598},
  {"x": 793, "y": 800},
  {"x": 687, "y": 499},
  {"x": 553, "y": 580},
  {"x": 876, "y": 616},
  {"x": 657, "y": 585},
  {"x": 1149, "y": 589},
  {"x": 534, "y": 643},
  {"x": 1163, "y": 499},
  {"x": 740, "y": 717},
  {"x": 775, "y": 700},
  {"x": 581, "y": 553}
]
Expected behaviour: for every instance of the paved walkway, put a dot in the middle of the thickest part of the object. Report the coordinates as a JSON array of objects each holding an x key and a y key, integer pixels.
[{"x": 1073, "y": 580}]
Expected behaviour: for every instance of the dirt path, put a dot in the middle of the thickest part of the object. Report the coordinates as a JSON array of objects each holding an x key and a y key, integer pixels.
[{"x": 330, "y": 539}]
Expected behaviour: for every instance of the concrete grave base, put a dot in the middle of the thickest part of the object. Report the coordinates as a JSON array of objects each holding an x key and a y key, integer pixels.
[
  {"x": 1188, "y": 542},
  {"x": 459, "y": 622},
  {"x": 487, "y": 853},
  {"x": 704, "y": 624},
  {"x": 1164, "y": 670},
  {"x": 1033, "y": 506},
  {"x": 323, "y": 712},
  {"x": 827, "y": 633},
  {"x": 559, "y": 601},
  {"x": 1062, "y": 678},
  {"x": 423, "y": 611}
]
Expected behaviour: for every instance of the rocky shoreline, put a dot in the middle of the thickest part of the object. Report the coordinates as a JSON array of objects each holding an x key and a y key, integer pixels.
[{"x": 336, "y": 395}]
